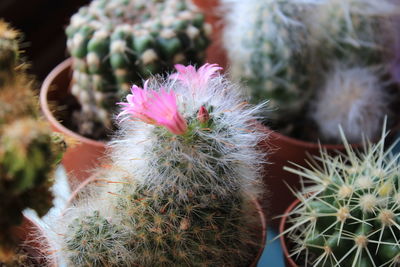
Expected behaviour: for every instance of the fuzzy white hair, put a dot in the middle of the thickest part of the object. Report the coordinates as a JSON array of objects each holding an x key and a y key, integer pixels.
[
  {"x": 353, "y": 97},
  {"x": 231, "y": 145}
]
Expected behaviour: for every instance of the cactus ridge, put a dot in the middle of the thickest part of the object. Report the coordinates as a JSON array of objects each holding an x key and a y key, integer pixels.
[
  {"x": 117, "y": 43},
  {"x": 349, "y": 215},
  {"x": 181, "y": 200}
]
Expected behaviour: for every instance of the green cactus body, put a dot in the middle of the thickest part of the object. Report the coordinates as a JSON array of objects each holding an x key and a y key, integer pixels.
[
  {"x": 117, "y": 43},
  {"x": 176, "y": 196},
  {"x": 27, "y": 150},
  {"x": 350, "y": 216}
]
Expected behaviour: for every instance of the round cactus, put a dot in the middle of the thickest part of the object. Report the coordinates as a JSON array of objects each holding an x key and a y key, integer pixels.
[
  {"x": 349, "y": 216},
  {"x": 116, "y": 43},
  {"x": 185, "y": 168},
  {"x": 27, "y": 150}
]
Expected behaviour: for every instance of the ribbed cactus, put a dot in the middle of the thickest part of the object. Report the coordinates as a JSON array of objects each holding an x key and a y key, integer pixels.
[
  {"x": 349, "y": 215},
  {"x": 28, "y": 151},
  {"x": 286, "y": 51},
  {"x": 178, "y": 192},
  {"x": 264, "y": 41},
  {"x": 117, "y": 43}
]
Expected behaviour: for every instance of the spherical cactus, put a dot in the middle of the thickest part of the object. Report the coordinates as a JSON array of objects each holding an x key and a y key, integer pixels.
[
  {"x": 27, "y": 150},
  {"x": 178, "y": 192},
  {"x": 349, "y": 215},
  {"x": 116, "y": 43},
  {"x": 356, "y": 99}
]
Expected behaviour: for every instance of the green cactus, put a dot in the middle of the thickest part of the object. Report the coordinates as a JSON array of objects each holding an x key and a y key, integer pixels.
[
  {"x": 179, "y": 195},
  {"x": 27, "y": 150},
  {"x": 117, "y": 43},
  {"x": 349, "y": 216}
]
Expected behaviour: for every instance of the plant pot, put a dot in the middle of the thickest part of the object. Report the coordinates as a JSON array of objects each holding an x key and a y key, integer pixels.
[
  {"x": 215, "y": 52},
  {"x": 283, "y": 151},
  {"x": 85, "y": 153},
  {"x": 289, "y": 261},
  {"x": 33, "y": 242},
  {"x": 262, "y": 226}
]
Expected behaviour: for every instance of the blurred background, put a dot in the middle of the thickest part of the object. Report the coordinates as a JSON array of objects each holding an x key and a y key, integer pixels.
[{"x": 43, "y": 23}]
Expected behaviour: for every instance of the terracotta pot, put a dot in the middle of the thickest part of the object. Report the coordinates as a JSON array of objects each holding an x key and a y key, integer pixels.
[
  {"x": 36, "y": 247},
  {"x": 282, "y": 226},
  {"x": 263, "y": 223},
  {"x": 85, "y": 154},
  {"x": 215, "y": 52},
  {"x": 283, "y": 151}
]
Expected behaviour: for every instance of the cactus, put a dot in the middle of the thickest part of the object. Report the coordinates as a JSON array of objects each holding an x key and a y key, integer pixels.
[
  {"x": 349, "y": 215},
  {"x": 28, "y": 150},
  {"x": 178, "y": 191},
  {"x": 266, "y": 50},
  {"x": 285, "y": 49},
  {"x": 356, "y": 99},
  {"x": 116, "y": 43}
]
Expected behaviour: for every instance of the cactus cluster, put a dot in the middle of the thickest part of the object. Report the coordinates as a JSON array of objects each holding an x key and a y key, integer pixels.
[
  {"x": 349, "y": 215},
  {"x": 118, "y": 43},
  {"x": 288, "y": 51},
  {"x": 180, "y": 188},
  {"x": 28, "y": 150}
]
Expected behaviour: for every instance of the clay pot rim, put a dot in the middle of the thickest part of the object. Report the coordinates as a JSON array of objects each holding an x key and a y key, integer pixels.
[
  {"x": 256, "y": 202},
  {"x": 282, "y": 236},
  {"x": 44, "y": 90},
  {"x": 307, "y": 144}
]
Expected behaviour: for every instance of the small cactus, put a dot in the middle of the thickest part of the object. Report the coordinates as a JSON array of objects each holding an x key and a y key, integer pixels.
[
  {"x": 116, "y": 43},
  {"x": 284, "y": 50},
  {"x": 27, "y": 150},
  {"x": 349, "y": 214},
  {"x": 356, "y": 99},
  {"x": 185, "y": 168}
]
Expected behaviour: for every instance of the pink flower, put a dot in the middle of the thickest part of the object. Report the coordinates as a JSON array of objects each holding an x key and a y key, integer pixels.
[
  {"x": 203, "y": 116},
  {"x": 158, "y": 108},
  {"x": 192, "y": 78}
]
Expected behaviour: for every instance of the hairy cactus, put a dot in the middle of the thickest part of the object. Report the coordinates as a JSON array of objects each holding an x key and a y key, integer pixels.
[
  {"x": 178, "y": 192},
  {"x": 119, "y": 42},
  {"x": 27, "y": 148},
  {"x": 285, "y": 49},
  {"x": 356, "y": 99},
  {"x": 349, "y": 216}
]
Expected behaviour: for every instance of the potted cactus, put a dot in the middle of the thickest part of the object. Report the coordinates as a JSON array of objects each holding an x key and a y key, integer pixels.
[
  {"x": 28, "y": 153},
  {"x": 321, "y": 64},
  {"x": 349, "y": 214},
  {"x": 182, "y": 184},
  {"x": 114, "y": 44}
]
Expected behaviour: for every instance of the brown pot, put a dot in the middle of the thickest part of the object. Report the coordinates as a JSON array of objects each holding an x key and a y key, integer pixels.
[
  {"x": 282, "y": 226},
  {"x": 215, "y": 52},
  {"x": 263, "y": 223},
  {"x": 34, "y": 242},
  {"x": 283, "y": 151},
  {"x": 85, "y": 153}
]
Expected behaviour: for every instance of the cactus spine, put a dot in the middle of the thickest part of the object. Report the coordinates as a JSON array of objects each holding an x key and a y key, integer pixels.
[
  {"x": 178, "y": 192},
  {"x": 27, "y": 148},
  {"x": 349, "y": 216},
  {"x": 285, "y": 49},
  {"x": 119, "y": 42}
]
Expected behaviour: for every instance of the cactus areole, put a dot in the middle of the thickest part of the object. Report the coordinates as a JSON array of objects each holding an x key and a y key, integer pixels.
[{"x": 117, "y": 43}]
